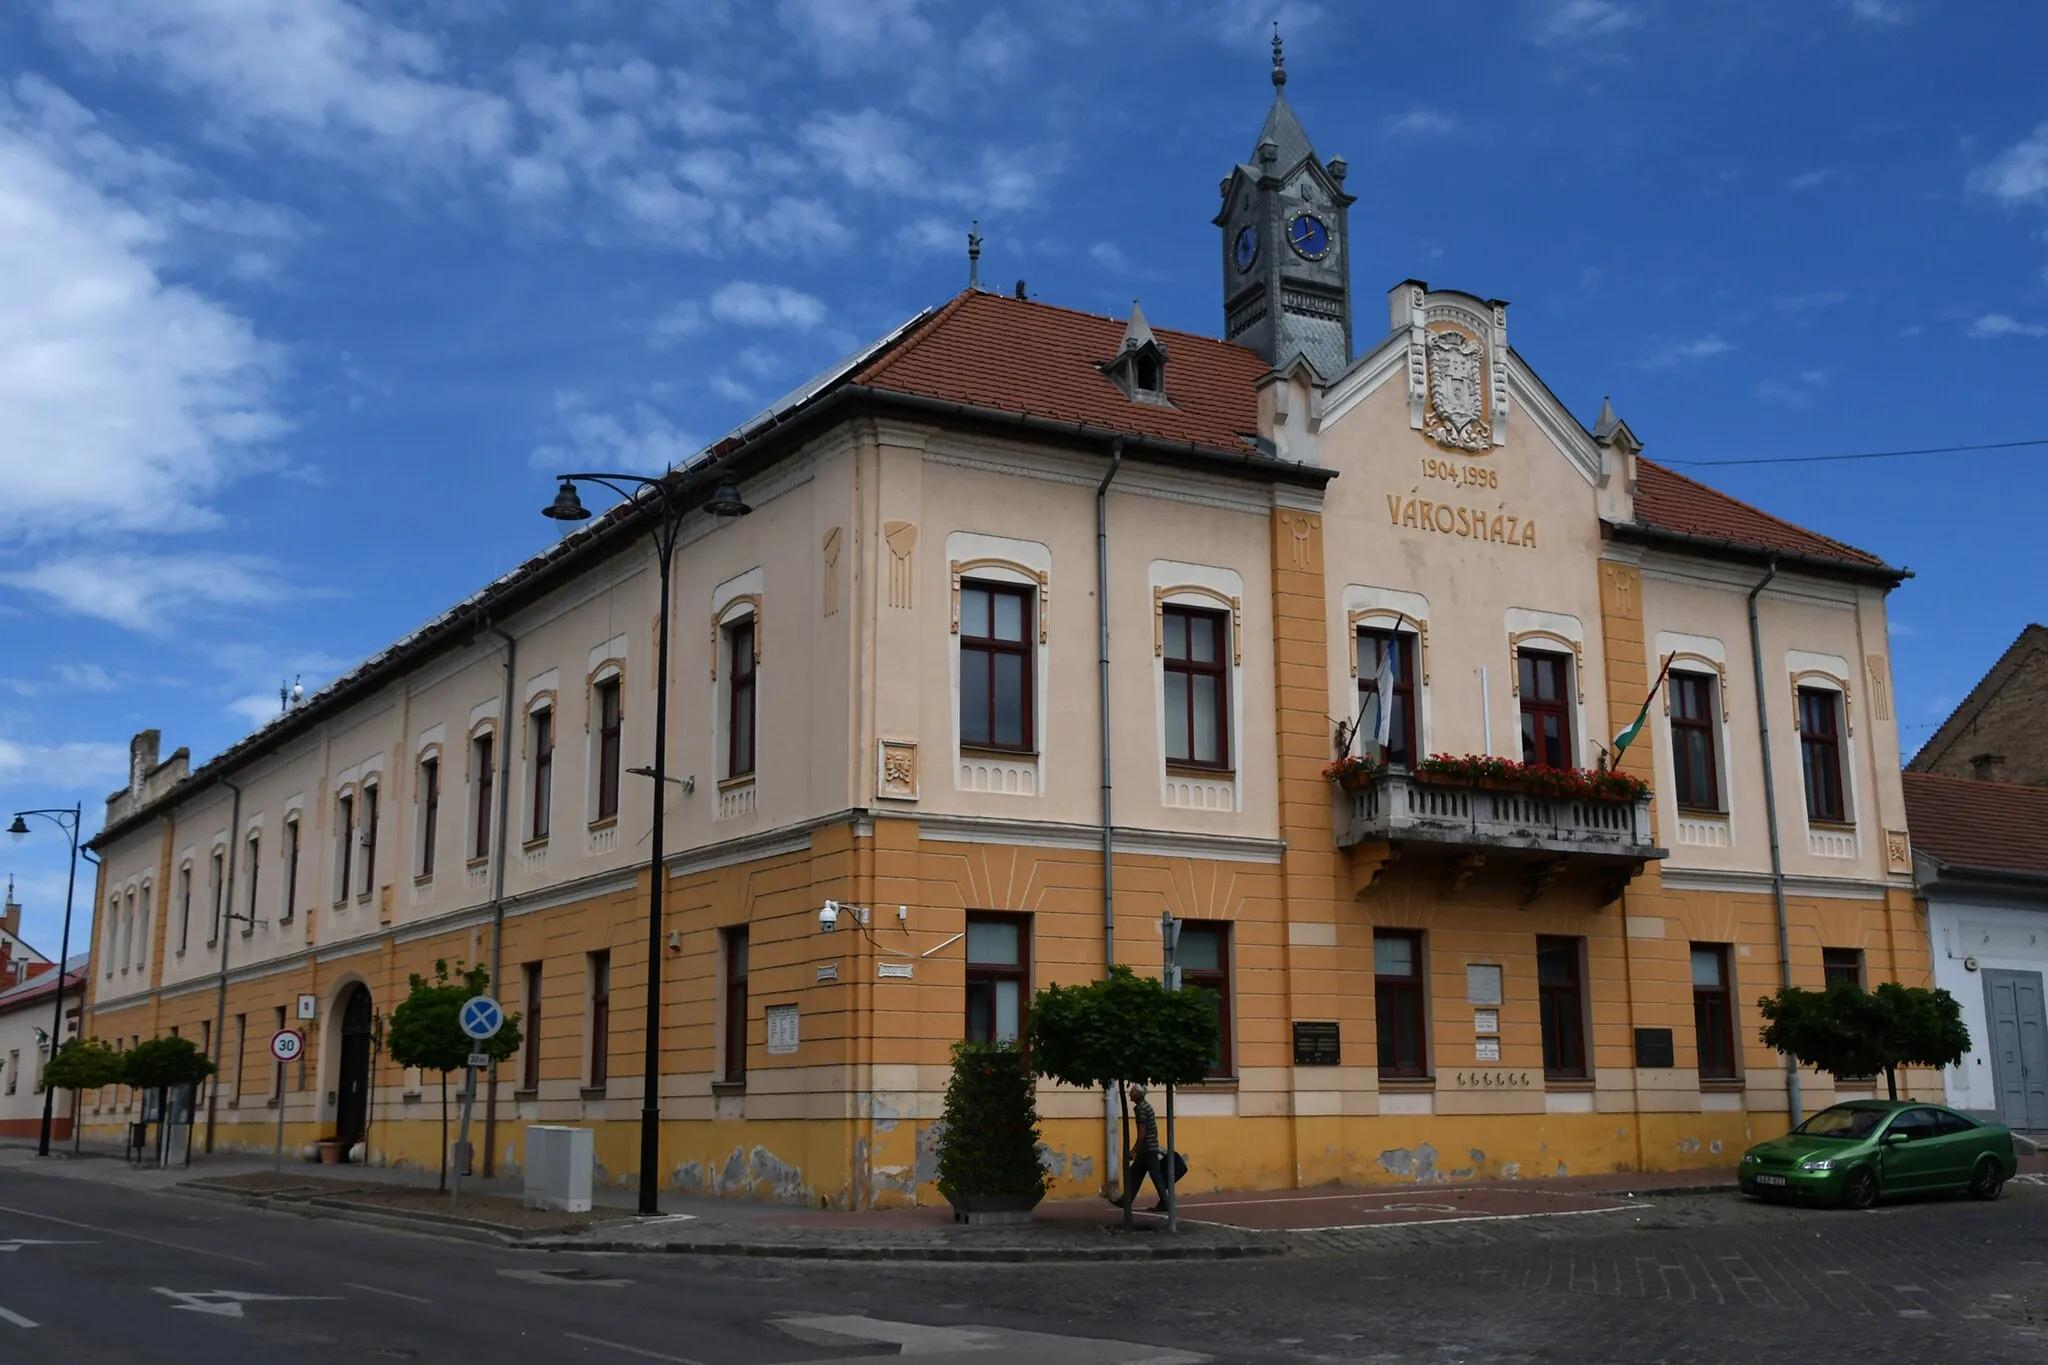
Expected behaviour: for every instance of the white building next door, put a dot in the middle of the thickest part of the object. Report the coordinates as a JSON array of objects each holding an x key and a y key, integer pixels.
[{"x": 2019, "y": 1047}]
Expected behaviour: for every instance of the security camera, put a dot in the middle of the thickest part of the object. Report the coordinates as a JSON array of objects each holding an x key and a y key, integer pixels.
[{"x": 828, "y": 918}]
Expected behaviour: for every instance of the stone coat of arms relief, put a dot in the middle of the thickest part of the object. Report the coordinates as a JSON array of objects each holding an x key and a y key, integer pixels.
[{"x": 1456, "y": 412}]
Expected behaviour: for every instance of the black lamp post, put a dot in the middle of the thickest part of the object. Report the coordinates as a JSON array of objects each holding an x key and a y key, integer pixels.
[
  {"x": 567, "y": 506},
  {"x": 66, "y": 820}
]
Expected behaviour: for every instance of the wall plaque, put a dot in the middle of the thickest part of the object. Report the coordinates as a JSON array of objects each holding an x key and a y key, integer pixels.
[
  {"x": 1482, "y": 983},
  {"x": 1316, "y": 1042},
  {"x": 894, "y": 969},
  {"x": 782, "y": 1029},
  {"x": 1486, "y": 1021},
  {"x": 1486, "y": 1050},
  {"x": 1653, "y": 1047}
]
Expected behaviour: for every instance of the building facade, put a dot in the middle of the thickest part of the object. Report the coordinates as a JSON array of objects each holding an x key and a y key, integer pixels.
[
  {"x": 1996, "y": 733},
  {"x": 1044, "y": 625},
  {"x": 27, "y": 1010}
]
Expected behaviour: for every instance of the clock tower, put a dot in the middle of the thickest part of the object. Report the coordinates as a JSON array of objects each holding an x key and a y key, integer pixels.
[{"x": 1287, "y": 246}]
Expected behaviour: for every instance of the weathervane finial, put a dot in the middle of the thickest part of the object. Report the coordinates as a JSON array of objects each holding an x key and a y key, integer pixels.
[
  {"x": 1279, "y": 62},
  {"x": 974, "y": 255}
]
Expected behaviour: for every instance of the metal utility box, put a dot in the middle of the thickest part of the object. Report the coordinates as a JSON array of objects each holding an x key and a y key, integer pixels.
[{"x": 559, "y": 1162}]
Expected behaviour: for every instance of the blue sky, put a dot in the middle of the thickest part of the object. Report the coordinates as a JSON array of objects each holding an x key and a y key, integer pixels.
[{"x": 301, "y": 299}]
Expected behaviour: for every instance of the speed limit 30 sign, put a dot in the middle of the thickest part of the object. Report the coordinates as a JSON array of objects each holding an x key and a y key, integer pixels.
[{"x": 287, "y": 1044}]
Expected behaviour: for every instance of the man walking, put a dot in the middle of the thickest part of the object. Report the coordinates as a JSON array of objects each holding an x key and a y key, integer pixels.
[{"x": 1146, "y": 1160}]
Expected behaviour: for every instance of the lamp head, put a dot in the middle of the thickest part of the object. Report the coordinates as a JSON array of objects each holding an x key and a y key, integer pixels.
[
  {"x": 19, "y": 829},
  {"x": 566, "y": 506},
  {"x": 726, "y": 501}
]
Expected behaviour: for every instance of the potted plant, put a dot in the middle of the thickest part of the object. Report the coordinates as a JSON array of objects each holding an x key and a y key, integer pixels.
[
  {"x": 1536, "y": 779},
  {"x": 329, "y": 1149},
  {"x": 988, "y": 1163},
  {"x": 1352, "y": 771}
]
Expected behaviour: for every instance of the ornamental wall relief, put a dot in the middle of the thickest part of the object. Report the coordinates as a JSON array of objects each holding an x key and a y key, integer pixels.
[{"x": 1456, "y": 412}]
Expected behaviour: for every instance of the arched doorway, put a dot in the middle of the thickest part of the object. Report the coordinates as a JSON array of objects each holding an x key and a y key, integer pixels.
[{"x": 352, "y": 1106}]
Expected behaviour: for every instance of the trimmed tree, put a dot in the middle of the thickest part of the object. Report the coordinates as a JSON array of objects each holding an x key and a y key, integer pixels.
[
  {"x": 82, "y": 1064},
  {"x": 426, "y": 1031},
  {"x": 1847, "y": 1031},
  {"x": 160, "y": 1064},
  {"x": 990, "y": 1151}
]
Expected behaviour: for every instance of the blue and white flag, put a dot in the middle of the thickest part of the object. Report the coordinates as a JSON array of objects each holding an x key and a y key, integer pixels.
[{"x": 1383, "y": 687}]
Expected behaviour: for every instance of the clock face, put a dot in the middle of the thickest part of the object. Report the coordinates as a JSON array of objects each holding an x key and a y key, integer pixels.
[
  {"x": 1307, "y": 235},
  {"x": 1246, "y": 249}
]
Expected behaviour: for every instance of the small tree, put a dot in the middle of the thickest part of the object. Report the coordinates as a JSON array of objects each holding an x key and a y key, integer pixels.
[
  {"x": 426, "y": 1031},
  {"x": 82, "y": 1064},
  {"x": 991, "y": 1144},
  {"x": 160, "y": 1064},
  {"x": 1847, "y": 1031}
]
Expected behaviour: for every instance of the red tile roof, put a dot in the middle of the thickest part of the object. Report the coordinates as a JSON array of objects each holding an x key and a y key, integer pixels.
[
  {"x": 1968, "y": 823},
  {"x": 1016, "y": 356},
  {"x": 1670, "y": 501}
]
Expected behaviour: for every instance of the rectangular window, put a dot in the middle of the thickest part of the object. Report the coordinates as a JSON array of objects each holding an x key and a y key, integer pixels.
[
  {"x": 1196, "y": 653},
  {"x": 142, "y": 935},
  {"x": 1842, "y": 967},
  {"x": 998, "y": 970},
  {"x": 217, "y": 889},
  {"x": 482, "y": 758},
  {"x": 996, "y": 666},
  {"x": 430, "y": 813},
  {"x": 608, "y": 727},
  {"x": 541, "y": 744},
  {"x": 1372, "y": 653},
  {"x": 111, "y": 953},
  {"x": 1545, "y": 685},
  {"x": 1820, "y": 754},
  {"x": 1692, "y": 742},
  {"x": 255, "y": 866},
  {"x": 1398, "y": 1002},
  {"x": 739, "y": 699},
  {"x": 369, "y": 842},
  {"x": 1713, "y": 1016},
  {"x": 1204, "y": 959},
  {"x": 734, "y": 1072},
  {"x": 291, "y": 871},
  {"x": 529, "y": 1057},
  {"x": 184, "y": 907},
  {"x": 598, "y": 1066},
  {"x": 1561, "y": 995},
  {"x": 345, "y": 845}
]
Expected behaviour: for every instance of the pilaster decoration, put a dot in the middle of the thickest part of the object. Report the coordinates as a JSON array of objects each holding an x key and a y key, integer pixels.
[
  {"x": 726, "y": 613},
  {"x": 1686, "y": 656},
  {"x": 1898, "y": 852},
  {"x": 901, "y": 537},
  {"x": 1517, "y": 638},
  {"x": 1880, "y": 688},
  {"x": 1303, "y": 552},
  {"x": 1622, "y": 583},
  {"x": 1236, "y": 605},
  {"x": 896, "y": 773},
  {"x": 1395, "y": 621},
  {"x": 964, "y": 567},
  {"x": 1821, "y": 675},
  {"x": 830, "y": 553}
]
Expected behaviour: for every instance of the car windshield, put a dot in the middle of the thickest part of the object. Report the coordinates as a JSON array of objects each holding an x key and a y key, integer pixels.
[{"x": 1842, "y": 1122}]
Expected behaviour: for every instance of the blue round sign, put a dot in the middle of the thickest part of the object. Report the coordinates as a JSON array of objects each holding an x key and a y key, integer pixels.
[{"x": 481, "y": 1017}]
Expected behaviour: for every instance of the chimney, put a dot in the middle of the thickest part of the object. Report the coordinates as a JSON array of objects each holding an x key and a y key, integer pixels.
[
  {"x": 10, "y": 914},
  {"x": 1982, "y": 766},
  {"x": 142, "y": 757}
]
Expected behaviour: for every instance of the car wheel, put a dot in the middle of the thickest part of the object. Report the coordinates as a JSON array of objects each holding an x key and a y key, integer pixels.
[
  {"x": 1988, "y": 1180},
  {"x": 1860, "y": 1191}
]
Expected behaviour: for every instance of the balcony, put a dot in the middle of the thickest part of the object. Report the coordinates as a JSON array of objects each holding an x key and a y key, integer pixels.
[{"x": 1473, "y": 826}]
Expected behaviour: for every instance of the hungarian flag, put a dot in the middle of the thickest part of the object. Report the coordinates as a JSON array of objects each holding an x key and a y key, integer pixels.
[{"x": 1628, "y": 736}]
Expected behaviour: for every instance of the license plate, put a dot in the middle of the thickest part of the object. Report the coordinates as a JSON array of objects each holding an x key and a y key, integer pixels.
[{"x": 1769, "y": 1179}]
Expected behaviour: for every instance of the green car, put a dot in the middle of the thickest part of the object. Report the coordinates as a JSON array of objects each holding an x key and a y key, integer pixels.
[{"x": 1856, "y": 1153}]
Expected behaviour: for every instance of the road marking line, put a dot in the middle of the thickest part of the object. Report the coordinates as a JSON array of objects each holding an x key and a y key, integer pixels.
[
  {"x": 131, "y": 1236},
  {"x": 17, "y": 1319},
  {"x": 1192, "y": 1206},
  {"x": 1411, "y": 1222},
  {"x": 373, "y": 1289},
  {"x": 630, "y": 1350}
]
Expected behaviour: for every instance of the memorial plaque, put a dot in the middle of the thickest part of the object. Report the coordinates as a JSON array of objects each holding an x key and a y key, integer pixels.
[
  {"x": 782, "y": 1029},
  {"x": 1316, "y": 1043},
  {"x": 1486, "y": 1021},
  {"x": 1482, "y": 983},
  {"x": 1486, "y": 1050},
  {"x": 1653, "y": 1047}
]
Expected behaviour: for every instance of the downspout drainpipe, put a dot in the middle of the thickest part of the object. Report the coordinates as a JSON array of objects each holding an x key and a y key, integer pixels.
[
  {"x": 1112, "y": 1148},
  {"x": 503, "y": 756},
  {"x": 220, "y": 995},
  {"x": 1763, "y": 727}
]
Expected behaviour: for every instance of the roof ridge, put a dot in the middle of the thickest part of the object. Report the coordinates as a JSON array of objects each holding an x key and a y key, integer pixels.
[
  {"x": 916, "y": 338},
  {"x": 1978, "y": 697},
  {"x": 1771, "y": 517},
  {"x": 1008, "y": 301}
]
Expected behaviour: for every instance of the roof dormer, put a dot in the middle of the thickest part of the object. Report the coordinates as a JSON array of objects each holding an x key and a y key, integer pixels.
[{"x": 1139, "y": 366}]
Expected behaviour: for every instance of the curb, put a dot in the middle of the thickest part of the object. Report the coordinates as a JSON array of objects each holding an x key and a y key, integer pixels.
[
  {"x": 343, "y": 1211},
  {"x": 983, "y": 1255}
]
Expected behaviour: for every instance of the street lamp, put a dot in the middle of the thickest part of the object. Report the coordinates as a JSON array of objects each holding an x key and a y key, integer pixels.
[
  {"x": 66, "y": 820},
  {"x": 725, "y": 501}
]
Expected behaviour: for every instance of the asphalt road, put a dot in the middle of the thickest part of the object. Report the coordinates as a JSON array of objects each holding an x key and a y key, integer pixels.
[{"x": 110, "y": 1274}]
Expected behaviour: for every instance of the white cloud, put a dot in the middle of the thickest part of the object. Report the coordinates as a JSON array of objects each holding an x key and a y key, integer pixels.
[
  {"x": 1681, "y": 352},
  {"x": 1807, "y": 180},
  {"x": 324, "y": 74},
  {"x": 746, "y": 304},
  {"x": 1234, "y": 21},
  {"x": 130, "y": 399},
  {"x": 645, "y": 442},
  {"x": 1418, "y": 123},
  {"x": 933, "y": 236},
  {"x": 1573, "y": 23},
  {"x": 867, "y": 149},
  {"x": 2019, "y": 174},
  {"x": 85, "y": 677},
  {"x": 1993, "y": 325},
  {"x": 1878, "y": 11},
  {"x": 152, "y": 593},
  {"x": 1807, "y": 303},
  {"x": 1109, "y": 254},
  {"x": 760, "y": 362},
  {"x": 996, "y": 47},
  {"x": 70, "y": 767},
  {"x": 842, "y": 36},
  {"x": 680, "y": 320},
  {"x": 730, "y": 389},
  {"x": 1800, "y": 390}
]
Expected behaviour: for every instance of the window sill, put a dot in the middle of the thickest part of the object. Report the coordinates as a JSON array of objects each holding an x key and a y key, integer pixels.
[
  {"x": 1833, "y": 826},
  {"x": 424, "y": 879},
  {"x": 996, "y": 751},
  {"x": 534, "y": 845},
  {"x": 527, "y": 1093},
  {"x": 1703, "y": 812},
  {"x": 604, "y": 822},
  {"x": 1565, "y": 1084},
  {"x": 1201, "y": 771},
  {"x": 726, "y": 784},
  {"x": 1219, "y": 1084},
  {"x": 596, "y": 1092},
  {"x": 1722, "y": 1083},
  {"x": 364, "y": 897},
  {"x": 728, "y": 1087},
  {"x": 474, "y": 863},
  {"x": 270, "y": 1103},
  {"x": 1405, "y": 1084}
]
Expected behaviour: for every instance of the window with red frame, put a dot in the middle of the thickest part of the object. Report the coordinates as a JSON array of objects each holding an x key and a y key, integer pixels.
[
  {"x": 1398, "y": 1003},
  {"x": 1692, "y": 742},
  {"x": 1561, "y": 995},
  {"x": 1204, "y": 960},
  {"x": 996, "y": 666},
  {"x": 1194, "y": 648},
  {"x": 1713, "y": 1014},
  {"x": 1820, "y": 753},
  {"x": 1545, "y": 686},
  {"x": 1372, "y": 651}
]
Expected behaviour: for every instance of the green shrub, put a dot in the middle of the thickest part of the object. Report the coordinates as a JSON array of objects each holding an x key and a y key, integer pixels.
[{"x": 990, "y": 1146}]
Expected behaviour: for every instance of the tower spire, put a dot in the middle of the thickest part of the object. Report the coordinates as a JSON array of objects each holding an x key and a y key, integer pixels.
[{"x": 1279, "y": 62}]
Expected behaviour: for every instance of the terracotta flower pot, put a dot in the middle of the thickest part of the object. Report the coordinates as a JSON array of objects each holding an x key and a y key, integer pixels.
[{"x": 330, "y": 1152}]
